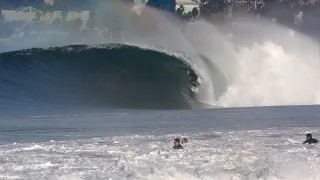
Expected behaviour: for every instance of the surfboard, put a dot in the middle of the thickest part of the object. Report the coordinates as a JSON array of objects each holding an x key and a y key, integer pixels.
[
  {"x": 292, "y": 141},
  {"x": 194, "y": 89}
]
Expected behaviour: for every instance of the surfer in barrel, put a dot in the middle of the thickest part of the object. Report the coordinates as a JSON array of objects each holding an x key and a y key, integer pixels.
[{"x": 194, "y": 77}]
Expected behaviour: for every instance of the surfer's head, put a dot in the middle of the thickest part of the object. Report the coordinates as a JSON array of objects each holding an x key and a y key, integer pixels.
[
  {"x": 189, "y": 71},
  {"x": 309, "y": 136}
]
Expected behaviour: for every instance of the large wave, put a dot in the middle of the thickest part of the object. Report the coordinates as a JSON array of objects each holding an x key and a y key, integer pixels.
[
  {"x": 111, "y": 76},
  {"x": 245, "y": 63}
]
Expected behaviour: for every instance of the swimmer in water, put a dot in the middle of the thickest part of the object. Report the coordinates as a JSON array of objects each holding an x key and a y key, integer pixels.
[
  {"x": 310, "y": 140},
  {"x": 184, "y": 140},
  {"x": 177, "y": 144}
]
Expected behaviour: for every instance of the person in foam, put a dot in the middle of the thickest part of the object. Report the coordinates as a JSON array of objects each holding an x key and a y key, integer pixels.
[
  {"x": 310, "y": 140},
  {"x": 184, "y": 140},
  {"x": 177, "y": 144}
]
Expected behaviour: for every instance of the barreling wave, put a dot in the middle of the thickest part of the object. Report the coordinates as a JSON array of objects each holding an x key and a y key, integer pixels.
[{"x": 108, "y": 76}]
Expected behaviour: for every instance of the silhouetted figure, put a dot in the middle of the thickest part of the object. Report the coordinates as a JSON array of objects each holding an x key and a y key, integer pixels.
[
  {"x": 310, "y": 140},
  {"x": 194, "y": 77},
  {"x": 177, "y": 144}
]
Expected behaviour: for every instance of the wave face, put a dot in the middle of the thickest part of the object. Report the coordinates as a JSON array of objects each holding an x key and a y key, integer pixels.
[{"x": 112, "y": 76}]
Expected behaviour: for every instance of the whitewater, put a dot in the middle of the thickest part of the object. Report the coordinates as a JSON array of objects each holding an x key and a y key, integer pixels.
[
  {"x": 82, "y": 106},
  {"x": 257, "y": 143}
]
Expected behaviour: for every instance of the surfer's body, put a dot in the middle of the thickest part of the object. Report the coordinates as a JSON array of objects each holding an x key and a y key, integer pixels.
[
  {"x": 194, "y": 77},
  {"x": 194, "y": 81}
]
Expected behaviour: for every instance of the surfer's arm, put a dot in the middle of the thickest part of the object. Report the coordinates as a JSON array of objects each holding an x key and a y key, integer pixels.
[{"x": 305, "y": 141}]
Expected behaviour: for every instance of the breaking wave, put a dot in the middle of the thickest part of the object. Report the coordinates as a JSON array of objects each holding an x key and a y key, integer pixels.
[
  {"x": 110, "y": 76},
  {"x": 240, "y": 64}
]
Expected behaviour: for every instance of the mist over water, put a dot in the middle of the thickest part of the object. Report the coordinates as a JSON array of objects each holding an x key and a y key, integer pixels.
[{"x": 280, "y": 67}]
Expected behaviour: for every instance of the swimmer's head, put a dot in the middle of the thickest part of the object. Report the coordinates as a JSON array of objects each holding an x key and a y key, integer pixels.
[
  {"x": 184, "y": 140},
  {"x": 309, "y": 136}
]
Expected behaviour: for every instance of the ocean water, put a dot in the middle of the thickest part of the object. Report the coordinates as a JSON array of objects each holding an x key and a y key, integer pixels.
[
  {"x": 85, "y": 106},
  {"x": 244, "y": 143}
]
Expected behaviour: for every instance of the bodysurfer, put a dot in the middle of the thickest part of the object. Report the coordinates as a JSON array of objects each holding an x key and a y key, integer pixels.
[
  {"x": 310, "y": 140},
  {"x": 194, "y": 77}
]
